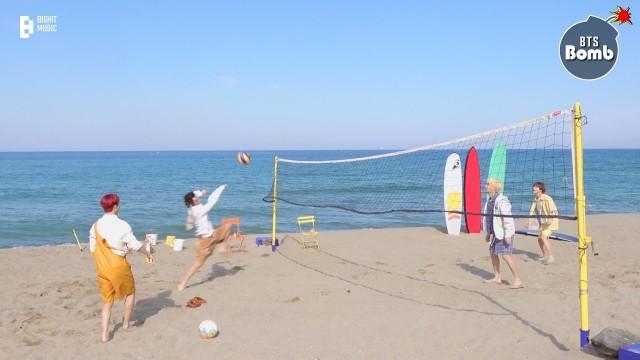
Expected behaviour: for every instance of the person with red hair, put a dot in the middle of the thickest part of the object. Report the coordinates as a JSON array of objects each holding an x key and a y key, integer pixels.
[{"x": 110, "y": 239}]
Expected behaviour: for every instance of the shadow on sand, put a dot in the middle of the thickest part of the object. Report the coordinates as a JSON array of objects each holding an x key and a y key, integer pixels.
[
  {"x": 149, "y": 307},
  {"x": 218, "y": 271}
]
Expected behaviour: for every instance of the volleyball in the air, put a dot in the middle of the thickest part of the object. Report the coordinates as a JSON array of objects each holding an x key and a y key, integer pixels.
[
  {"x": 244, "y": 158},
  {"x": 208, "y": 329}
]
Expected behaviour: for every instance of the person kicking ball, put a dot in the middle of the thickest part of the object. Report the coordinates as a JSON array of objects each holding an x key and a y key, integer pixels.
[{"x": 208, "y": 237}]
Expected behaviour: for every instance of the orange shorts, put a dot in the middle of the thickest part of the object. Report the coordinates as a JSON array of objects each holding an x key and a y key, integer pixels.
[
  {"x": 117, "y": 284},
  {"x": 205, "y": 245}
]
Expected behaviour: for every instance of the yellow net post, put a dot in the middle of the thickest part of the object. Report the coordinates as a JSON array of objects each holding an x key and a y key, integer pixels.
[
  {"x": 583, "y": 239},
  {"x": 274, "y": 244}
]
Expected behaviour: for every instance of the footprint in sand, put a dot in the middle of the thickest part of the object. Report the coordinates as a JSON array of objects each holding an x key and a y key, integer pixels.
[
  {"x": 381, "y": 263},
  {"x": 31, "y": 317},
  {"x": 31, "y": 341},
  {"x": 356, "y": 276},
  {"x": 90, "y": 315},
  {"x": 48, "y": 332},
  {"x": 294, "y": 299}
]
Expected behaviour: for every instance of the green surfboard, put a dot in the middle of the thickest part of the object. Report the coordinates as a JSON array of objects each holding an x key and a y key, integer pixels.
[{"x": 498, "y": 164}]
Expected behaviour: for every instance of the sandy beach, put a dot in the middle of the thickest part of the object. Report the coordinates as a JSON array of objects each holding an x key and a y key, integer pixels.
[{"x": 411, "y": 293}]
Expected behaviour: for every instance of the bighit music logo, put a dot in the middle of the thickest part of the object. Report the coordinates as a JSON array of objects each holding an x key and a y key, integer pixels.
[{"x": 44, "y": 24}]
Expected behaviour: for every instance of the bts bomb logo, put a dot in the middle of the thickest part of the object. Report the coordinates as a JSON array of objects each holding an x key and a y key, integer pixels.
[{"x": 589, "y": 49}]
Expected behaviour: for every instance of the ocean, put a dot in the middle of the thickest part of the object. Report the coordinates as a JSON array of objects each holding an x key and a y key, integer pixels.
[{"x": 44, "y": 195}]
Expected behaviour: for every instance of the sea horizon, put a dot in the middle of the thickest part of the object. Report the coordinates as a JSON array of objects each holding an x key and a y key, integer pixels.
[{"x": 46, "y": 194}]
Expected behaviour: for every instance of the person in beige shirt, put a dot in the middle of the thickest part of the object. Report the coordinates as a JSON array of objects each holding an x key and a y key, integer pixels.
[{"x": 544, "y": 208}]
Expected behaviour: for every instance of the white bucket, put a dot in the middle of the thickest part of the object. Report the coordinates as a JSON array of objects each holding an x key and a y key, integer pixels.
[
  {"x": 152, "y": 238},
  {"x": 177, "y": 244}
]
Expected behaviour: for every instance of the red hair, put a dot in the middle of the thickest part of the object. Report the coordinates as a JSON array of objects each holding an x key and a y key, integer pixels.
[{"x": 109, "y": 201}]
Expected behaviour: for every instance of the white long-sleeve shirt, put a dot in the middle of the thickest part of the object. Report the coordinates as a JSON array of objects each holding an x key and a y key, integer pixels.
[
  {"x": 117, "y": 233},
  {"x": 503, "y": 226},
  {"x": 198, "y": 215}
]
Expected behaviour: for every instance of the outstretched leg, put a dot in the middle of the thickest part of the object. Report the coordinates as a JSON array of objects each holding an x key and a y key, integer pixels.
[
  {"x": 225, "y": 245},
  {"x": 204, "y": 249},
  {"x": 194, "y": 268}
]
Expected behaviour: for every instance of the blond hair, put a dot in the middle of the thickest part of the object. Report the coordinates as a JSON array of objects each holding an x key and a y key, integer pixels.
[{"x": 497, "y": 184}]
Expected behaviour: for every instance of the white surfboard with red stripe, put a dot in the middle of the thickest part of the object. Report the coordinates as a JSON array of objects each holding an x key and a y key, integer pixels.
[{"x": 453, "y": 193}]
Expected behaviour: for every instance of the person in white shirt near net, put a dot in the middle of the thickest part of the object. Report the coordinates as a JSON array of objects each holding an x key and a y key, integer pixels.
[
  {"x": 208, "y": 237},
  {"x": 500, "y": 232},
  {"x": 110, "y": 239}
]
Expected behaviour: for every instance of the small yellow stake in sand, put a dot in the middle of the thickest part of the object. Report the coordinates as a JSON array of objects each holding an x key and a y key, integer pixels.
[
  {"x": 148, "y": 259},
  {"x": 80, "y": 247}
]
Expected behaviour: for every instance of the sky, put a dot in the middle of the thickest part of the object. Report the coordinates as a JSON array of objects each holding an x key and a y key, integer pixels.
[{"x": 271, "y": 75}]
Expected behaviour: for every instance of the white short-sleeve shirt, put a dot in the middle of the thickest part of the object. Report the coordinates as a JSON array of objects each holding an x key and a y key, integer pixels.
[{"x": 117, "y": 233}]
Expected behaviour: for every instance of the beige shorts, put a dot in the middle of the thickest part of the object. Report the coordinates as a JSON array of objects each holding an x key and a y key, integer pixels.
[
  {"x": 205, "y": 245},
  {"x": 545, "y": 231}
]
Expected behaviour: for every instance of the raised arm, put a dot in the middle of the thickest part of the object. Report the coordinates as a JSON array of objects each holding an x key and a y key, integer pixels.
[{"x": 214, "y": 197}]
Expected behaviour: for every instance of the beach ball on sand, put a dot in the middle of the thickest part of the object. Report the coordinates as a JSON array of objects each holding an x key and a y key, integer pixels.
[
  {"x": 244, "y": 158},
  {"x": 208, "y": 329}
]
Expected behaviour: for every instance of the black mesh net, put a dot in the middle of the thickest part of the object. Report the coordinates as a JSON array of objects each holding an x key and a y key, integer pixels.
[{"x": 412, "y": 181}]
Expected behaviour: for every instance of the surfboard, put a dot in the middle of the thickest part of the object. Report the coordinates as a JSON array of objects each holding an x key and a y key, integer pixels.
[
  {"x": 498, "y": 164},
  {"x": 472, "y": 192},
  {"x": 554, "y": 235},
  {"x": 453, "y": 193}
]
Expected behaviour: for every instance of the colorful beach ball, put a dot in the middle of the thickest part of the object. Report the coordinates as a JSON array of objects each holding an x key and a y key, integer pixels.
[
  {"x": 243, "y": 158},
  {"x": 208, "y": 329}
]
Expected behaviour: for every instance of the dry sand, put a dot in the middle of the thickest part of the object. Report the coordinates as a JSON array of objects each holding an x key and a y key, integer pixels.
[{"x": 411, "y": 293}]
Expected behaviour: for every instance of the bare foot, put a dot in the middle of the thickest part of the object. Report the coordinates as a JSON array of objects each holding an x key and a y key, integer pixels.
[
  {"x": 181, "y": 287},
  {"x": 494, "y": 280},
  {"x": 128, "y": 327},
  {"x": 104, "y": 338},
  {"x": 516, "y": 285}
]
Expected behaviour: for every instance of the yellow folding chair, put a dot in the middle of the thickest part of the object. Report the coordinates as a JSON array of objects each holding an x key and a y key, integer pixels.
[{"x": 307, "y": 226}]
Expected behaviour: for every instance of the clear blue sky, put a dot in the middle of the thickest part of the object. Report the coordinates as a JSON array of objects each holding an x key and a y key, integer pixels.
[{"x": 226, "y": 75}]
